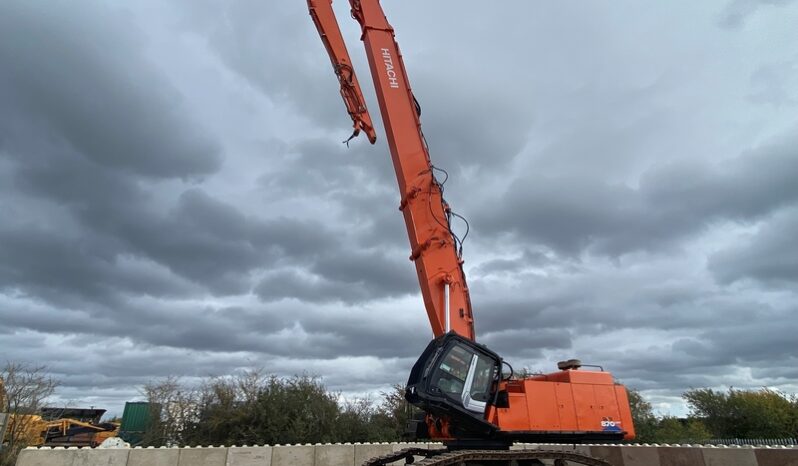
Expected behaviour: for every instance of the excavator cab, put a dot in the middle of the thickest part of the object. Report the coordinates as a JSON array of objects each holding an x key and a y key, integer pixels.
[
  {"x": 456, "y": 378},
  {"x": 463, "y": 375}
]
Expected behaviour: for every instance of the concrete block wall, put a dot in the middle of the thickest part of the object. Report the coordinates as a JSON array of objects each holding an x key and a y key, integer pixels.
[
  {"x": 355, "y": 454},
  {"x": 695, "y": 455}
]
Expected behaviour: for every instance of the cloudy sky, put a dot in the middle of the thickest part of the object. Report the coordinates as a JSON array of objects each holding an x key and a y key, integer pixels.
[{"x": 175, "y": 198}]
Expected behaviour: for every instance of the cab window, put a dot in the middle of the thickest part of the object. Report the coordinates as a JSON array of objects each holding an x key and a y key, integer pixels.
[
  {"x": 452, "y": 371},
  {"x": 466, "y": 376}
]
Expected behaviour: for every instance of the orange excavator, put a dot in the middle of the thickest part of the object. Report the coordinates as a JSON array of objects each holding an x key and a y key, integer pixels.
[{"x": 471, "y": 400}]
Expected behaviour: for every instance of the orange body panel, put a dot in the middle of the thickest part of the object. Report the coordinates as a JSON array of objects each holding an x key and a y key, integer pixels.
[
  {"x": 565, "y": 406},
  {"x": 622, "y": 397},
  {"x": 541, "y": 406},
  {"x": 565, "y": 401},
  {"x": 516, "y": 418}
]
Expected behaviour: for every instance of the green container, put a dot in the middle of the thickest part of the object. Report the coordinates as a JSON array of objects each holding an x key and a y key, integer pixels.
[{"x": 136, "y": 421}]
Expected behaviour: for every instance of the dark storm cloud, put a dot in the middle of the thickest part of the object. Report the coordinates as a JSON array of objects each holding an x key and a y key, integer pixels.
[
  {"x": 739, "y": 345},
  {"x": 297, "y": 329},
  {"x": 613, "y": 309},
  {"x": 667, "y": 369},
  {"x": 290, "y": 330},
  {"x": 45, "y": 319},
  {"x": 326, "y": 167},
  {"x": 263, "y": 44},
  {"x": 358, "y": 180},
  {"x": 77, "y": 70},
  {"x": 715, "y": 356},
  {"x": 527, "y": 342},
  {"x": 362, "y": 265},
  {"x": 772, "y": 84},
  {"x": 786, "y": 373},
  {"x": 517, "y": 264},
  {"x": 379, "y": 273},
  {"x": 212, "y": 243},
  {"x": 736, "y": 12},
  {"x": 457, "y": 130},
  {"x": 672, "y": 201},
  {"x": 199, "y": 239},
  {"x": 52, "y": 265},
  {"x": 80, "y": 120},
  {"x": 350, "y": 276},
  {"x": 770, "y": 256},
  {"x": 80, "y": 123}
]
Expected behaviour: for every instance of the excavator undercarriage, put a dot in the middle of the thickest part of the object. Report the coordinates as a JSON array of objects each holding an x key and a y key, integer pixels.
[{"x": 472, "y": 457}]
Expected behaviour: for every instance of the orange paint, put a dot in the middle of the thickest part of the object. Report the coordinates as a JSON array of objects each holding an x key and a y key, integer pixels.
[{"x": 566, "y": 401}]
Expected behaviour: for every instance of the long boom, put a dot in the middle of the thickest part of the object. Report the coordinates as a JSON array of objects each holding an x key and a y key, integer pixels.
[{"x": 434, "y": 248}]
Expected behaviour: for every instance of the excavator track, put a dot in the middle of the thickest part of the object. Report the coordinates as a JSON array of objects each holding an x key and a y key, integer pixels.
[
  {"x": 403, "y": 455},
  {"x": 443, "y": 457}
]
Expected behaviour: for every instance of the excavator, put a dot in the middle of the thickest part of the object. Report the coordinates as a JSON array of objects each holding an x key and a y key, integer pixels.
[{"x": 471, "y": 400}]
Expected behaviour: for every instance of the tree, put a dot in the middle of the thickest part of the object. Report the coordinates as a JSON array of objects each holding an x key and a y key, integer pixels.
[
  {"x": 745, "y": 414},
  {"x": 645, "y": 422},
  {"x": 225, "y": 409},
  {"x": 673, "y": 430},
  {"x": 395, "y": 412},
  {"x": 250, "y": 408},
  {"x": 26, "y": 387},
  {"x": 172, "y": 408},
  {"x": 383, "y": 422},
  {"x": 294, "y": 410},
  {"x": 666, "y": 429},
  {"x": 358, "y": 421}
]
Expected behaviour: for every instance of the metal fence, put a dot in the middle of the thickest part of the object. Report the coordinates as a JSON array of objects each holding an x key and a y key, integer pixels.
[{"x": 753, "y": 441}]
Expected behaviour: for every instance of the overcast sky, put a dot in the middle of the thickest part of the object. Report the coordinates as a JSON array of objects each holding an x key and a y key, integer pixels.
[{"x": 175, "y": 198}]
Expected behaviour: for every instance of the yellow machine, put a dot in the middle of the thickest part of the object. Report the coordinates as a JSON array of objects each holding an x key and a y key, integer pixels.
[
  {"x": 27, "y": 428},
  {"x": 66, "y": 427},
  {"x": 74, "y": 433},
  {"x": 33, "y": 430}
]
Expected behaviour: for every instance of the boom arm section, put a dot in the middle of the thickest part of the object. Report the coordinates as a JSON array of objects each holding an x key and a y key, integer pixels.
[
  {"x": 433, "y": 246},
  {"x": 324, "y": 18}
]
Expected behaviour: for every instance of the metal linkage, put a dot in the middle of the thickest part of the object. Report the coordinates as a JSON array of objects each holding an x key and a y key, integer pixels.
[
  {"x": 407, "y": 454},
  {"x": 443, "y": 457}
]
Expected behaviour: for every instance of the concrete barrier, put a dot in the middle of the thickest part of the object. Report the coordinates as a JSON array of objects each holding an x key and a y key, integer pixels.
[
  {"x": 150, "y": 457},
  {"x": 610, "y": 454},
  {"x": 45, "y": 457},
  {"x": 293, "y": 455},
  {"x": 210, "y": 456},
  {"x": 729, "y": 457},
  {"x": 355, "y": 454},
  {"x": 334, "y": 455},
  {"x": 640, "y": 456},
  {"x": 680, "y": 456},
  {"x": 776, "y": 457},
  {"x": 249, "y": 456},
  {"x": 101, "y": 456},
  {"x": 73, "y": 457}
]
